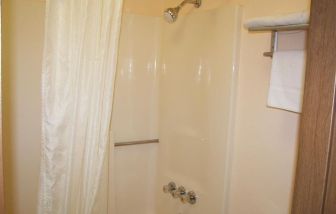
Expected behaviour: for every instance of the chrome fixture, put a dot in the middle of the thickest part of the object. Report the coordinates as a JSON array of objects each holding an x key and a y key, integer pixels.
[
  {"x": 171, "y": 14},
  {"x": 190, "y": 198},
  {"x": 169, "y": 188},
  {"x": 180, "y": 193},
  {"x": 136, "y": 142}
]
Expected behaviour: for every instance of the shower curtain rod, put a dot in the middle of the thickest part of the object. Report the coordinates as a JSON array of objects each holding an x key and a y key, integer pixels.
[{"x": 136, "y": 142}]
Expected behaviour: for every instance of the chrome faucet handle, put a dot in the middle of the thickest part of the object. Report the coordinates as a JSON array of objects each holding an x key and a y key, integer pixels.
[
  {"x": 169, "y": 188},
  {"x": 190, "y": 198},
  {"x": 179, "y": 193}
]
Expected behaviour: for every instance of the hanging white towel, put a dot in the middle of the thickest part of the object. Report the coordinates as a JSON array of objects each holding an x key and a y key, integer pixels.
[
  {"x": 287, "y": 80},
  {"x": 287, "y": 19}
]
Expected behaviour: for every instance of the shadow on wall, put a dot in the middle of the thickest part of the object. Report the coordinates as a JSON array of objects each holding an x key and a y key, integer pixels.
[
  {"x": 23, "y": 27},
  {"x": 7, "y": 97}
]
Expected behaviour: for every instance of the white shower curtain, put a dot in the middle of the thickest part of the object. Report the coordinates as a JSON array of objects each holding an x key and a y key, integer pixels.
[{"x": 79, "y": 66}]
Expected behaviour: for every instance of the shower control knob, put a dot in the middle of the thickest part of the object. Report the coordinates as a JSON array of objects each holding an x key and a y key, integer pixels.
[
  {"x": 169, "y": 188},
  {"x": 179, "y": 193},
  {"x": 190, "y": 198}
]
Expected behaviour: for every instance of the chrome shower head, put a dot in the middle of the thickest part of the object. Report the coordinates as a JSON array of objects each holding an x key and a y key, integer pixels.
[{"x": 171, "y": 14}]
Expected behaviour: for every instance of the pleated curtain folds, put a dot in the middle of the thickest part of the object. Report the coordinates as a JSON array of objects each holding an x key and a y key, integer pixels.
[{"x": 79, "y": 67}]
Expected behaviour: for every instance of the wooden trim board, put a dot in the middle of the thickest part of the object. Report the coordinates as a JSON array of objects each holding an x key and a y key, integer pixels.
[{"x": 316, "y": 155}]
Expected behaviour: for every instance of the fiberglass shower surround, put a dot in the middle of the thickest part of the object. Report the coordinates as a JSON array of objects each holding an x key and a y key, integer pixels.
[{"x": 186, "y": 74}]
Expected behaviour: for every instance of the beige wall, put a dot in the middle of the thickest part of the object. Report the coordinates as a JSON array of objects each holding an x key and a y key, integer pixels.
[
  {"x": 22, "y": 42},
  {"x": 264, "y": 151},
  {"x": 156, "y": 7}
]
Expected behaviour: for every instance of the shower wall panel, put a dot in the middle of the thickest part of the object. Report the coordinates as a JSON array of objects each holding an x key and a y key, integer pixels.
[
  {"x": 196, "y": 107},
  {"x": 135, "y": 115}
]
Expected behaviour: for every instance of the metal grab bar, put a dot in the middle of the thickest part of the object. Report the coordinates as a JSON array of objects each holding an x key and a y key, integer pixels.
[{"x": 137, "y": 142}]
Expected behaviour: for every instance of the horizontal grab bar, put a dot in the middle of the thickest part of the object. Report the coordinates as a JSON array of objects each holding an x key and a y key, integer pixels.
[{"x": 137, "y": 142}]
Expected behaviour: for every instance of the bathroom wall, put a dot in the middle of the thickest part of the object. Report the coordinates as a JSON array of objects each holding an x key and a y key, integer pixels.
[
  {"x": 23, "y": 23},
  {"x": 190, "y": 9},
  {"x": 156, "y": 8},
  {"x": 196, "y": 94},
  {"x": 265, "y": 139},
  {"x": 135, "y": 113},
  {"x": 143, "y": 7},
  {"x": 264, "y": 152}
]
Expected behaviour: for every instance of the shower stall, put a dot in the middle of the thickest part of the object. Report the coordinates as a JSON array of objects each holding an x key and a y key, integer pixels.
[{"x": 173, "y": 110}]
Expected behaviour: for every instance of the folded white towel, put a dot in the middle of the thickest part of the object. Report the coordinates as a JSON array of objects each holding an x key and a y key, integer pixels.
[
  {"x": 287, "y": 80},
  {"x": 288, "y": 19}
]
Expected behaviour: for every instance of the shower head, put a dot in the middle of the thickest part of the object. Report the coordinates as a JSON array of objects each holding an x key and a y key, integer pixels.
[{"x": 171, "y": 14}]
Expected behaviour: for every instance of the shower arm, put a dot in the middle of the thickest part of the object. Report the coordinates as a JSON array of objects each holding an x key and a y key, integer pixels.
[{"x": 196, "y": 3}]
